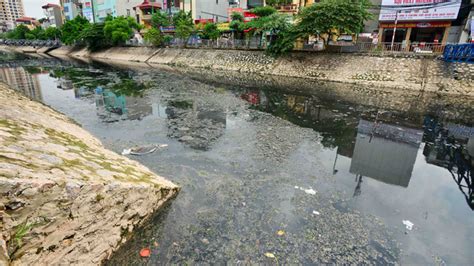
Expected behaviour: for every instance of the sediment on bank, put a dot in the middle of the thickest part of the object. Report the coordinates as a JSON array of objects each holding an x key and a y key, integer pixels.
[
  {"x": 65, "y": 198},
  {"x": 403, "y": 72}
]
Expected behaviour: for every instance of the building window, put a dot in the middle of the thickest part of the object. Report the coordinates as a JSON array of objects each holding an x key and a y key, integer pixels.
[{"x": 128, "y": 12}]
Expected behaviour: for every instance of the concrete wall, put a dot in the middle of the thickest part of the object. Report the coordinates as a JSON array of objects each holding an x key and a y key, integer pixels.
[
  {"x": 404, "y": 72},
  {"x": 72, "y": 199}
]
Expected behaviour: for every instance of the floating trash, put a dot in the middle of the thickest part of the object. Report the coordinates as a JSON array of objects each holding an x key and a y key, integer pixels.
[
  {"x": 143, "y": 150},
  {"x": 280, "y": 232},
  {"x": 310, "y": 190},
  {"x": 269, "y": 255},
  {"x": 409, "y": 225},
  {"x": 316, "y": 212},
  {"x": 145, "y": 252}
]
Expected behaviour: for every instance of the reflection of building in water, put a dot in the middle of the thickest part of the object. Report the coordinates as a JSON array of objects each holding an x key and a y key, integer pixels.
[
  {"x": 65, "y": 84},
  {"x": 384, "y": 152},
  {"x": 451, "y": 146},
  {"x": 112, "y": 107},
  {"x": 19, "y": 79}
]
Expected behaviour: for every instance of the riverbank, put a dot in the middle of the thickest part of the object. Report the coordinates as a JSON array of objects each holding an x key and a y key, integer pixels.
[
  {"x": 65, "y": 198},
  {"x": 413, "y": 73}
]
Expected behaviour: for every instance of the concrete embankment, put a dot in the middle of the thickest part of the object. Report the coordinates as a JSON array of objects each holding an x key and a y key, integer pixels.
[
  {"x": 65, "y": 198},
  {"x": 403, "y": 72}
]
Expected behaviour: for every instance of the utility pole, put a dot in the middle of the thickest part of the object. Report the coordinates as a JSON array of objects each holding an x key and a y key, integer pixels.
[{"x": 394, "y": 29}]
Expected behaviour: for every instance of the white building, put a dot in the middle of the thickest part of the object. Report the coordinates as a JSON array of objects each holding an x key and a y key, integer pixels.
[{"x": 53, "y": 15}]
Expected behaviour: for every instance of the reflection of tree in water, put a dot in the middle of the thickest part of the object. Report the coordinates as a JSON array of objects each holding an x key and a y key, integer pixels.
[{"x": 446, "y": 147}]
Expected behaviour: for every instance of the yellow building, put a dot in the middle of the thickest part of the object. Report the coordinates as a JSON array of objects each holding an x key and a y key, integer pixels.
[
  {"x": 145, "y": 11},
  {"x": 31, "y": 23},
  {"x": 295, "y": 6}
]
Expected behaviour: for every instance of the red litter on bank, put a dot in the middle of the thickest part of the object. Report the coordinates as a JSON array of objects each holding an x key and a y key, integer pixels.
[{"x": 145, "y": 252}]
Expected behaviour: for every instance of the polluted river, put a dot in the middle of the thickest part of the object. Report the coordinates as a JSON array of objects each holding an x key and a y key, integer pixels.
[{"x": 272, "y": 172}]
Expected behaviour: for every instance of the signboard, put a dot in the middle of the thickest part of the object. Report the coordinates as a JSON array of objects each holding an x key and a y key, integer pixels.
[
  {"x": 416, "y": 10},
  {"x": 168, "y": 29},
  {"x": 223, "y": 26},
  {"x": 432, "y": 24}
]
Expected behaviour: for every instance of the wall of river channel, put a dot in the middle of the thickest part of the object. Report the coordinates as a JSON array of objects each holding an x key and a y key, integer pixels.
[{"x": 411, "y": 73}]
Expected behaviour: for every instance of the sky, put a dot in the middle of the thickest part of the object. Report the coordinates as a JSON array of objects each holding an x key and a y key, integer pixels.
[{"x": 33, "y": 7}]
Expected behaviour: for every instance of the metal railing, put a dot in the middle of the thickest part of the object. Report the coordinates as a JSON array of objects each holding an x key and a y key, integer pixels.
[
  {"x": 257, "y": 44},
  {"x": 386, "y": 47},
  {"x": 459, "y": 53},
  {"x": 34, "y": 43}
]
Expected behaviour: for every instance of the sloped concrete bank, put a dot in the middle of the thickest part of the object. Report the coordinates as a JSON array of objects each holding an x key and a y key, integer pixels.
[
  {"x": 402, "y": 73},
  {"x": 65, "y": 199}
]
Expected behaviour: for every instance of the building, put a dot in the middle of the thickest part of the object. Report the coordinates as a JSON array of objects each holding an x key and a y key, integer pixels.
[
  {"x": 71, "y": 8},
  {"x": 385, "y": 152},
  {"x": 88, "y": 10},
  {"x": 145, "y": 11},
  {"x": 462, "y": 29},
  {"x": 126, "y": 8},
  {"x": 10, "y": 11},
  {"x": 220, "y": 10},
  {"x": 372, "y": 26},
  {"x": 19, "y": 79},
  {"x": 30, "y": 23},
  {"x": 103, "y": 8},
  {"x": 53, "y": 14},
  {"x": 417, "y": 22}
]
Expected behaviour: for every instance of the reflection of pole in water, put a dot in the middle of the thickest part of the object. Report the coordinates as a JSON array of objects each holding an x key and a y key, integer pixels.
[
  {"x": 358, "y": 187},
  {"x": 334, "y": 170}
]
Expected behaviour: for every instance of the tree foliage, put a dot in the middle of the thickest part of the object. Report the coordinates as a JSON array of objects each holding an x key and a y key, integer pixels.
[
  {"x": 264, "y": 11},
  {"x": 344, "y": 16},
  {"x": 211, "y": 31},
  {"x": 160, "y": 19},
  {"x": 94, "y": 37},
  {"x": 20, "y": 32},
  {"x": 71, "y": 31},
  {"x": 325, "y": 17},
  {"x": 154, "y": 36},
  {"x": 183, "y": 22},
  {"x": 120, "y": 29},
  {"x": 52, "y": 33},
  {"x": 276, "y": 3}
]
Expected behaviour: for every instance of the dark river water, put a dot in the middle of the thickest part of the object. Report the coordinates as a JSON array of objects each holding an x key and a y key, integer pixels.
[{"x": 275, "y": 173}]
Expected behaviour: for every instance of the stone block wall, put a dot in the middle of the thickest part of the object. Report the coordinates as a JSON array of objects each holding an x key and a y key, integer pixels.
[{"x": 400, "y": 72}]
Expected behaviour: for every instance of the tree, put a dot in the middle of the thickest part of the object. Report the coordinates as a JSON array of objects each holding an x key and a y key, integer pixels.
[
  {"x": 274, "y": 24},
  {"x": 277, "y": 3},
  {"x": 160, "y": 19},
  {"x": 328, "y": 15},
  {"x": 119, "y": 30},
  {"x": 19, "y": 32},
  {"x": 52, "y": 33},
  {"x": 183, "y": 17},
  {"x": 94, "y": 37},
  {"x": 184, "y": 24},
  {"x": 154, "y": 36},
  {"x": 263, "y": 11},
  {"x": 37, "y": 33},
  {"x": 211, "y": 31},
  {"x": 71, "y": 31}
]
